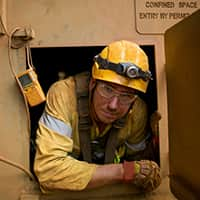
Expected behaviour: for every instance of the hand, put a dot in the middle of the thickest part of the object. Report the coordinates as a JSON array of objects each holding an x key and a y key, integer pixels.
[
  {"x": 154, "y": 120},
  {"x": 145, "y": 174},
  {"x": 154, "y": 123}
]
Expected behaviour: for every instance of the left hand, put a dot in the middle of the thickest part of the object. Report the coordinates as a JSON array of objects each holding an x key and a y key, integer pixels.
[{"x": 154, "y": 123}]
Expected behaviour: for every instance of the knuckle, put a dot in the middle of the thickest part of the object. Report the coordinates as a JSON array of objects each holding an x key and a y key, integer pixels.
[{"x": 149, "y": 177}]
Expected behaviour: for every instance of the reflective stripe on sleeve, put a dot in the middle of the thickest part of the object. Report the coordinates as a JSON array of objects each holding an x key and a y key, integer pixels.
[
  {"x": 139, "y": 146},
  {"x": 56, "y": 125}
]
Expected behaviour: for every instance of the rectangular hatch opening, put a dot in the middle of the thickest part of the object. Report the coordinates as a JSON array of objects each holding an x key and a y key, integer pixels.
[{"x": 55, "y": 63}]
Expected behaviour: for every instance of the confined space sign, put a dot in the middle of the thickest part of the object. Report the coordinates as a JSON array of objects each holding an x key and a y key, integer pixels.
[{"x": 156, "y": 16}]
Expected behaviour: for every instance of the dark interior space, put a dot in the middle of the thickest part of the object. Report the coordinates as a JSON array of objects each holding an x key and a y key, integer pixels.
[{"x": 51, "y": 63}]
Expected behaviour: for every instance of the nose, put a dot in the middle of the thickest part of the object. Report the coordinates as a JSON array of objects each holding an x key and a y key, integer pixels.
[{"x": 113, "y": 103}]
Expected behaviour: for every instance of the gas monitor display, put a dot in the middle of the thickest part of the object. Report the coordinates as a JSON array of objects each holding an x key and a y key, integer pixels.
[{"x": 31, "y": 87}]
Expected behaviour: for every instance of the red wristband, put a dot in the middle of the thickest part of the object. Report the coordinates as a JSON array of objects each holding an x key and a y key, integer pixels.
[{"x": 128, "y": 171}]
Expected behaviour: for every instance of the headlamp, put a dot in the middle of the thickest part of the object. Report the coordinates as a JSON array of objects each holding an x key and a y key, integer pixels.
[{"x": 129, "y": 70}]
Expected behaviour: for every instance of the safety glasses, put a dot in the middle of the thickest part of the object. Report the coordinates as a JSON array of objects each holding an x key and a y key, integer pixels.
[{"x": 108, "y": 92}]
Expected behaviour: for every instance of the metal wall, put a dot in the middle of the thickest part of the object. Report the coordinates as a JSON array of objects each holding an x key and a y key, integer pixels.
[{"x": 182, "y": 64}]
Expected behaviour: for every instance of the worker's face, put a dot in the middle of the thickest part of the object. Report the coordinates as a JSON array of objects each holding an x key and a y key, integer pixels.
[{"x": 111, "y": 101}]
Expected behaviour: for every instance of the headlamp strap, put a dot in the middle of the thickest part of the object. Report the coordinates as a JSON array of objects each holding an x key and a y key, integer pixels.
[
  {"x": 129, "y": 70},
  {"x": 105, "y": 64}
]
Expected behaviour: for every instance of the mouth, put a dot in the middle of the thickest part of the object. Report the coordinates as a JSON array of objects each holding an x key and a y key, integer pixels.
[{"x": 109, "y": 116}]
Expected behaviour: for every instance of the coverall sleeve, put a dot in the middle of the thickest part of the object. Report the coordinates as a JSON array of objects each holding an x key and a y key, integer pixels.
[{"x": 53, "y": 166}]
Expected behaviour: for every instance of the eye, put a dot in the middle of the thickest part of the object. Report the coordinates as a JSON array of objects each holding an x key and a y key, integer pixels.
[
  {"x": 127, "y": 96},
  {"x": 108, "y": 89}
]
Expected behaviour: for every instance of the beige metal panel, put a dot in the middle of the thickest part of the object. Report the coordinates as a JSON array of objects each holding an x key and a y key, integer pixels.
[
  {"x": 162, "y": 105},
  {"x": 65, "y": 22},
  {"x": 113, "y": 192},
  {"x": 14, "y": 144},
  {"x": 155, "y": 17},
  {"x": 2, "y": 16},
  {"x": 182, "y": 65}
]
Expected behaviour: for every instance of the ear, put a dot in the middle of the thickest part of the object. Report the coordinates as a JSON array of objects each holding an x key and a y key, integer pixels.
[{"x": 92, "y": 84}]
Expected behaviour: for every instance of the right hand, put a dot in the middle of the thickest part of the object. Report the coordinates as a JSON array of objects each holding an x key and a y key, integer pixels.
[{"x": 145, "y": 174}]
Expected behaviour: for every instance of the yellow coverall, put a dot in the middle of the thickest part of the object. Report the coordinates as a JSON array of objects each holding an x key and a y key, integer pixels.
[{"x": 57, "y": 137}]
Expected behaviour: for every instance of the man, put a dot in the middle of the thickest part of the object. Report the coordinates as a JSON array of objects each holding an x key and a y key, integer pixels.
[{"x": 93, "y": 127}]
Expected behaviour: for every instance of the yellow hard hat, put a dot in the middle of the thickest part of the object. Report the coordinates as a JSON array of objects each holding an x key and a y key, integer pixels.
[{"x": 124, "y": 63}]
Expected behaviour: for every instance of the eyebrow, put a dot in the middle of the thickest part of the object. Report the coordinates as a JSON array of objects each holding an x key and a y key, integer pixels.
[{"x": 123, "y": 92}]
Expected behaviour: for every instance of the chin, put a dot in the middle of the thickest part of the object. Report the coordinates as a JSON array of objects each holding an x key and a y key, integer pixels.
[{"x": 107, "y": 120}]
